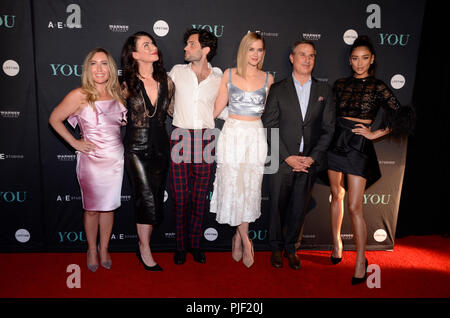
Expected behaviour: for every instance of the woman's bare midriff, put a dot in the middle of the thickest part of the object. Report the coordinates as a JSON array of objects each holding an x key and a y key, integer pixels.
[
  {"x": 241, "y": 117},
  {"x": 359, "y": 120}
]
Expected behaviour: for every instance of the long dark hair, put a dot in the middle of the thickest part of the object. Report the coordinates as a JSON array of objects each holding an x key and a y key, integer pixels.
[
  {"x": 363, "y": 40},
  {"x": 130, "y": 68}
]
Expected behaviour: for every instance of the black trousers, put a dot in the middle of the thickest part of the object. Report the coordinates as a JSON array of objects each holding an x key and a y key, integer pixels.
[
  {"x": 290, "y": 194},
  {"x": 148, "y": 184},
  {"x": 147, "y": 163}
]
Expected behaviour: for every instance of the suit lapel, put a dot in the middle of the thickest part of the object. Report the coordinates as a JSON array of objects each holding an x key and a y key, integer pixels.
[
  {"x": 293, "y": 98},
  {"x": 313, "y": 96}
]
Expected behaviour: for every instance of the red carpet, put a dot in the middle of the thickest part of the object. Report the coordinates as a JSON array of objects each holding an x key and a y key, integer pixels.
[{"x": 419, "y": 267}]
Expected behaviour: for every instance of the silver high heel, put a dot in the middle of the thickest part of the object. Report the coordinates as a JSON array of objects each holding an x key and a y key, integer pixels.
[
  {"x": 92, "y": 267},
  {"x": 106, "y": 264}
]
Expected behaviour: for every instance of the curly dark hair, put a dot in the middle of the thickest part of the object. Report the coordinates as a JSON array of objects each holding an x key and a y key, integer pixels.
[
  {"x": 206, "y": 39},
  {"x": 130, "y": 68}
]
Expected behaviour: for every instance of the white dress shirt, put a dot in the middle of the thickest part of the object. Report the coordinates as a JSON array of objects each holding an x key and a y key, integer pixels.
[{"x": 194, "y": 102}]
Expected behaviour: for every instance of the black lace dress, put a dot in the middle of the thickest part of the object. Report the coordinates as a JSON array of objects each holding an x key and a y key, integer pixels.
[
  {"x": 147, "y": 151},
  {"x": 363, "y": 99}
]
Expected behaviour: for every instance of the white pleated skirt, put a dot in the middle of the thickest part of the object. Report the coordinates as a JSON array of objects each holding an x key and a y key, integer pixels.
[{"x": 240, "y": 155}]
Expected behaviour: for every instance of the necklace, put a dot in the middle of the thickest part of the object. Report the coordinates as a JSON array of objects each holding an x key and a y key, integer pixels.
[
  {"x": 144, "y": 78},
  {"x": 146, "y": 109}
]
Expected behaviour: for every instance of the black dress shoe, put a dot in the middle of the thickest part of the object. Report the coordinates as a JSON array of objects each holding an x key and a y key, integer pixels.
[
  {"x": 294, "y": 261},
  {"x": 276, "y": 259},
  {"x": 359, "y": 280},
  {"x": 199, "y": 256},
  {"x": 179, "y": 257}
]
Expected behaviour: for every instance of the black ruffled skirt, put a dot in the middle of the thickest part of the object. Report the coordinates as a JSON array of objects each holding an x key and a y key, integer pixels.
[{"x": 353, "y": 154}]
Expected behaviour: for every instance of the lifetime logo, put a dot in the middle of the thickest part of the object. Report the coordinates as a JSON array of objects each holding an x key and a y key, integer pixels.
[
  {"x": 211, "y": 234},
  {"x": 10, "y": 197},
  {"x": 161, "y": 28},
  {"x": 11, "y": 68}
]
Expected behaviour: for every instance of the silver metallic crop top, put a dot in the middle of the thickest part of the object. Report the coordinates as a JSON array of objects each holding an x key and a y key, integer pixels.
[{"x": 245, "y": 103}]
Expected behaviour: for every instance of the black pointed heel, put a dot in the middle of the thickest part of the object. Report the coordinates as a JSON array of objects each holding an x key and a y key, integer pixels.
[
  {"x": 335, "y": 260},
  {"x": 359, "y": 280},
  {"x": 154, "y": 268}
]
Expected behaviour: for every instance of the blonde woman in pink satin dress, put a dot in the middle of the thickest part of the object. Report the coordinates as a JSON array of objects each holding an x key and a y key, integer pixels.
[{"x": 97, "y": 108}]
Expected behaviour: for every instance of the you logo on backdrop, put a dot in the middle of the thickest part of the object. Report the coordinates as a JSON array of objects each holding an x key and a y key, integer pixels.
[
  {"x": 7, "y": 21},
  {"x": 217, "y": 30},
  {"x": 13, "y": 196},
  {"x": 374, "y": 22},
  {"x": 66, "y": 69}
]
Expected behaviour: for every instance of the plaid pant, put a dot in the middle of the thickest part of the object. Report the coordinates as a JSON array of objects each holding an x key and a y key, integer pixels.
[{"x": 190, "y": 173}]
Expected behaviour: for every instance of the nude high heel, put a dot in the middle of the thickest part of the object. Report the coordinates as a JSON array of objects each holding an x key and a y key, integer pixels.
[
  {"x": 236, "y": 248},
  {"x": 248, "y": 261}
]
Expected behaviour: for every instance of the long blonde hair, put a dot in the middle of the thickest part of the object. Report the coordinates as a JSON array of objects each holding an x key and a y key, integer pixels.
[
  {"x": 88, "y": 85},
  {"x": 242, "y": 56}
]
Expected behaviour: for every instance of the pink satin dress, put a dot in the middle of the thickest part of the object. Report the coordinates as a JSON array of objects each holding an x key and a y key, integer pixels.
[{"x": 100, "y": 172}]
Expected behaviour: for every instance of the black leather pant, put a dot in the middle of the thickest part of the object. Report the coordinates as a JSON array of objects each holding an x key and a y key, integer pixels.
[{"x": 147, "y": 172}]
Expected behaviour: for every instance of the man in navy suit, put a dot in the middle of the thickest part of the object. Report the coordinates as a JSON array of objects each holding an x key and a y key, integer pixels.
[{"x": 303, "y": 110}]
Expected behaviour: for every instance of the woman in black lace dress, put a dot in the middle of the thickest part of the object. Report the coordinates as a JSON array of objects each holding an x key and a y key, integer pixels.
[
  {"x": 352, "y": 153},
  {"x": 149, "y": 94}
]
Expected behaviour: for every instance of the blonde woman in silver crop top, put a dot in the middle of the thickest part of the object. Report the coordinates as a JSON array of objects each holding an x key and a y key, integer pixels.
[{"x": 241, "y": 147}]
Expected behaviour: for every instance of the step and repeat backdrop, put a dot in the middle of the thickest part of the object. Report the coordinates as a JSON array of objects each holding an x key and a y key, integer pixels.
[{"x": 43, "y": 44}]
